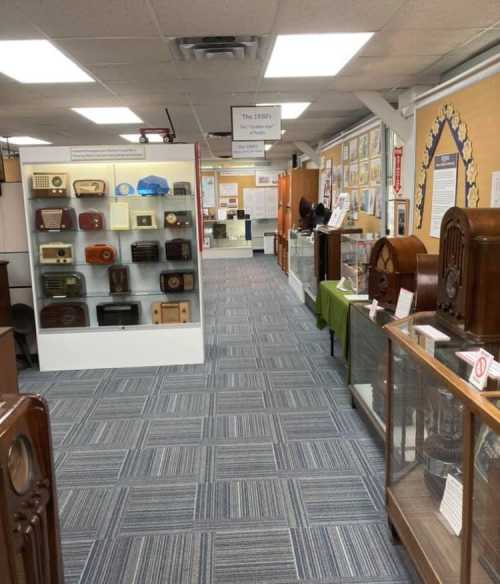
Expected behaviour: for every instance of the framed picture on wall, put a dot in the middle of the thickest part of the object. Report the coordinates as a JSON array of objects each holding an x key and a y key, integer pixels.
[
  {"x": 353, "y": 149},
  {"x": 345, "y": 177},
  {"x": 397, "y": 216},
  {"x": 345, "y": 151},
  {"x": 363, "y": 146},
  {"x": 364, "y": 173},
  {"x": 375, "y": 171},
  {"x": 364, "y": 200},
  {"x": 378, "y": 202},
  {"x": 375, "y": 142},
  {"x": 354, "y": 174}
]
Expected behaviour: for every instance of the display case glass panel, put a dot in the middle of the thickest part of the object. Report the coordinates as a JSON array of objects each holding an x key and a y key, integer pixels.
[
  {"x": 228, "y": 233},
  {"x": 355, "y": 259},
  {"x": 301, "y": 260}
]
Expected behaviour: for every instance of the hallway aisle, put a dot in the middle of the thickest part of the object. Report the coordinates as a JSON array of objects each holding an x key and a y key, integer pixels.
[{"x": 249, "y": 469}]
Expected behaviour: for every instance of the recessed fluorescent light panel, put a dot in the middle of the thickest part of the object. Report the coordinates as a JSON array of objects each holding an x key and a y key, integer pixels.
[
  {"x": 38, "y": 61},
  {"x": 24, "y": 141},
  {"x": 268, "y": 147},
  {"x": 108, "y": 115},
  {"x": 291, "y": 110},
  {"x": 314, "y": 55},
  {"x": 135, "y": 138}
]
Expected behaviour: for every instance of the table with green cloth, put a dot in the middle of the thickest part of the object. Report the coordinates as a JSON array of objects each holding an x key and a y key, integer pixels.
[{"x": 332, "y": 309}]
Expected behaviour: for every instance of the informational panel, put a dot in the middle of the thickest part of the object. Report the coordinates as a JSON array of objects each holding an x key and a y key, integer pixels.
[
  {"x": 228, "y": 189},
  {"x": 249, "y": 149},
  {"x": 208, "y": 190},
  {"x": 495, "y": 189},
  {"x": 444, "y": 189},
  {"x": 256, "y": 123},
  {"x": 261, "y": 203},
  {"x": 266, "y": 178}
]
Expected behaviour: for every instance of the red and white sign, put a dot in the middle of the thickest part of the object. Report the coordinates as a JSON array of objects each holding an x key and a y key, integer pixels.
[
  {"x": 480, "y": 369},
  {"x": 396, "y": 173}
]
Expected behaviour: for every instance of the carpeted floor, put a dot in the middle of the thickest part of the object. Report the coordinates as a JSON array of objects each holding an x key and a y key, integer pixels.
[{"x": 249, "y": 469}]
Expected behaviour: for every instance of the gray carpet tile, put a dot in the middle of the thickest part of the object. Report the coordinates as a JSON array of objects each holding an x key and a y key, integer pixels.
[{"x": 251, "y": 468}]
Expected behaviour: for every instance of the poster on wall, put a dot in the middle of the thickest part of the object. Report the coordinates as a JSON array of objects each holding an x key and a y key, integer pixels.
[
  {"x": 345, "y": 152},
  {"x": 375, "y": 171},
  {"x": 353, "y": 174},
  {"x": 444, "y": 189},
  {"x": 363, "y": 147},
  {"x": 208, "y": 190},
  {"x": 228, "y": 189},
  {"x": 326, "y": 186},
  {"x": 364, "y": 173},
  {"x": 266, "y": 178},
  {"x": 353, "y": 149},
  {"x": 495, "y": 189},
  {"x": 365, "y": 200},
  {"x": 375, "y": 139},
  {"x": 346, "y": 177},
  {"x": 377, "y": 195}
]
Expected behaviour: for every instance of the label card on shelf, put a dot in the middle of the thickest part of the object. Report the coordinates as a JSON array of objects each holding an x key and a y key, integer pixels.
[
  {"x": 340, "y": 284},
  {"x": 451, "y": 504},
  {"x": 405, "y": 302},
  {"x": 357, "y": 297},
  {"x": 480, "y": 369},
  {"x": 432, "y": 333}
]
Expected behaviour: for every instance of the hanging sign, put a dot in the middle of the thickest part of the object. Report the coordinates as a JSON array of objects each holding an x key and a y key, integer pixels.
[
  {"x": 256, "y": 122},
  {"x": 249, "y": 149},
  {"x": 396, "y": 173}
]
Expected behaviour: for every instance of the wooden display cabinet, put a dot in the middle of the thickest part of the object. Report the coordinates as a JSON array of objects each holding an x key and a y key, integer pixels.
[{"x": 439, "y": 430}]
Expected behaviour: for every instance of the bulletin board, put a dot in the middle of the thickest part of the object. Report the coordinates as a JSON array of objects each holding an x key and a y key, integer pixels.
[
  {"x": 477, "y": 107},
  {"x": 243, "y": 182}
]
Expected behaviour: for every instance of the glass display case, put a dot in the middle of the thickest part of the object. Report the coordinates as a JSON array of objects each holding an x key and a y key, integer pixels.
[
  {"x": 301, "y": 261},
  {"x": 227, "y": 238},
  {"x": 355, "y": 259},
  {"x": 113, "y": 241},
  {"x": 368, "y": 363},
  {"x": 442, "y": 455}
]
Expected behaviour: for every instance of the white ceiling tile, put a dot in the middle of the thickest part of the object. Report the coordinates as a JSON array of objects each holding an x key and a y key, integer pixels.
[
  {"x": 311, "y": 85},
  {"x": 129, "y": 73},
  {"x": 373, "y": 66},
  {"x": 241, "y": 84},
  {"x": 218, "y": 69},
  {"x": 371, "y": 83},
  {"x": 217, "y": 17},
  {"x": 91, "y": 18},
  {"x": 445, "y": 14},
  {"x": 107, "y": 51},
  {"x": 335, "y": 100},
  {"x": 14, "y": 25},
  {"x": 313, "y": 16}
]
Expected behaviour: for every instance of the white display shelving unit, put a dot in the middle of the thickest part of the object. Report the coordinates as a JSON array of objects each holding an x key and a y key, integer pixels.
[{"x": 143, "y": 344}]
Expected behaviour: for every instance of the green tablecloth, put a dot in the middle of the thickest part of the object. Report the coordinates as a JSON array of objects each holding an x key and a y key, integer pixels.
[{"x": 332, "y": 309}]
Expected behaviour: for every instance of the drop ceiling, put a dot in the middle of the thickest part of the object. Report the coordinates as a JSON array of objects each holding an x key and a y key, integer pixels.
[{"x": 128, "y": 47}]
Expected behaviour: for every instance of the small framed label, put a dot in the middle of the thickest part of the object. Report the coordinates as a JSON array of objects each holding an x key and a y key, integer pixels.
[
  {"x": 405, "y": 302},
  {"x": 480, "y": 369}
]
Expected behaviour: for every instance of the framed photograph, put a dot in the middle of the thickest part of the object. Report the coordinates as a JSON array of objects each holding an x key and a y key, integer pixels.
[
  {"x": 375, "y": 142},
  {"x": 353, "y": 149},
  {"x": 397, "y": 216},
  {"x": 353, "y": 175},
  {"x": 375, "y": 171},
  {"x": 363, "y": 146},
  {"x": 346, "y": 177},
  {"x": 345, "y": 152},
  {"x": 378, "y": 202},
  {"x": 364, "y": 200},
  {"x": 364, "y": 174}
]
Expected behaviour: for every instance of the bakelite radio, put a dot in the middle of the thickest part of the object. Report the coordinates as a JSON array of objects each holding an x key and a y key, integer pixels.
[
  {"x": 177, "y": 219},
  {"x": 178, "y": 250},
  {"x": 49, "y": 185},
  {"x": 145, "y": 251},
  {"x": 118, "y": 280},
  {"x": 118, "y": 313},
  {"x": 100, "y": 254},
  {"x": 177, "y": 281},
  {"x": 469, "y": 272},
  {"x": 63, "y": 284},
  {"x": 64, "y": 315},
  {"x": 182, "y": 188},
  {"x": 30, "y": 550},
  {"x": 56, "y": 253},
  {"x": 144, "y": 219},
  {"x": 170, "y": 312},
  {"x": 393, "y": 264},
  {"x": 91, "y": 221},
  {"x": 89, "y": 188},
  {"x": 55, "y": 219}
]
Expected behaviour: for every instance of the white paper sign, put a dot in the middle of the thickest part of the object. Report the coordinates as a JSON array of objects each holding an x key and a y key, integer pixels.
[
  {"x": 470, "y": 358},
  {"x": 480, "y": 368},
  {"x": 431, "y": 332},
  {"x": 228, "y": 189},
  {"x": 357, "y": 297},
  {"x": 256, "y": 123},
  {"x": 252, "y": 149},
  {"x": 208, "y": 190},
  {"x": 405, "y": 302},
  {"x": 495, "y": 189},
  {"x": 373, "y": 308},
  {"x": 451, "y": 503},
  {"x": 341, "y": 283},
  {"x": 221, "y": 214},
  {"x": 86, "y": 153},
  {"x": 444, "y": 189},
  {"x": 266, "y": 178}
]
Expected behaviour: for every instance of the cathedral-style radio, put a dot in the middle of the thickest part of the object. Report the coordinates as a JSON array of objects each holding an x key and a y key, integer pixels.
[{"x": 469, "y": 272}]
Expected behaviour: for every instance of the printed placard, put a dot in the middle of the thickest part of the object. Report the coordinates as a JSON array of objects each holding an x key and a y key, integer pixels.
[
  {"x": 405, "y": 302},
  {"x": 249, "y": 149},
  {"x": 480, "y": 369},
  {"x": 256, "y": 122},
  {"x": 90, "y": 153},
  {"x": 451, "y": 503}
]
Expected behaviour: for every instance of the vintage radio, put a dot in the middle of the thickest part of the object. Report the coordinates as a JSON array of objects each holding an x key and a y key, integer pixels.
[
  {"x": 177, "y": 281},
  {"x": 64, "y": 315},
  {"x": 426, "y": 282},
  {"x": 393, "y": 264},
  {"x": 170, "y": 312},
  {"x": 100, "y": 254},
  {"x": 145, "y": 251},
  {"x": 91, "y": 221},
  {"x": 56, "y": 253},
  {"x": 89, "y": 188},
  {"x": 29, "y": 522},
  {"x": 240, "y": 213},
  {"x": 182, "y": 188},
  {"x": 63, "y": 284},
  {"x": 469, "y": 272},
  {"x": 119, "y": 216},
  {"x": 178, "y": 250},
  {"x": 327, "y": 252},
  {"x": 178, "y": 219},
  {"x": 49, "y": 185},
  {"x": 118, "y": 313},
  {"x": 118, "y": 279},
  {"x": 144, "y": 219},
  {"x": 220, "y": 231},
  {"x": 55, "y": 219}
]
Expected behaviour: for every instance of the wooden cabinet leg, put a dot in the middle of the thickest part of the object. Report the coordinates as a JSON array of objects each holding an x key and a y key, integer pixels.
[{"x": 394, "y": 534}]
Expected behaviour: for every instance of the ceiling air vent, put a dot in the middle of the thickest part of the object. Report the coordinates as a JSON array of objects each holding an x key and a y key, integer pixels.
[
  {"x": 236, "y": 48},
  {"x": 219, "y": 135}
]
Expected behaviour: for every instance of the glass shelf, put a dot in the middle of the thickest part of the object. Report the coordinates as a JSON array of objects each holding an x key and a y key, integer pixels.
[{"x": 113, "y": 295}]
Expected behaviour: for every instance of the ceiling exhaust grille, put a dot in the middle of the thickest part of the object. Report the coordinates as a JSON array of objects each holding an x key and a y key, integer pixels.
[{"x": 235, "y": 48}]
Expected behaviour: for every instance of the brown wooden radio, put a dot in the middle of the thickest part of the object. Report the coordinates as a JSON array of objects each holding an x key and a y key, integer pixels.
[
  {"x": 426, "y": 284},
  {"x": 100, "y": 254},
  {"x": 170, "y": 312},
  {"x": 91, "y": 221},
  {"x": 393, "y": 263},
  {"x": 469, "y": 272},
  {"x": 30, "y": 545},
  {"x": 64, "y": 315}
]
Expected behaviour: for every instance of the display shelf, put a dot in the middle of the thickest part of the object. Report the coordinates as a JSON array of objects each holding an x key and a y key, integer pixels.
[
  {"x": 67, "y": 347},
  {"x": 301, "y": 265},
  {"x": 441, "y": 429},
  {"x": 227, "y": 238},
  {"x": 355, "y": 257}
]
